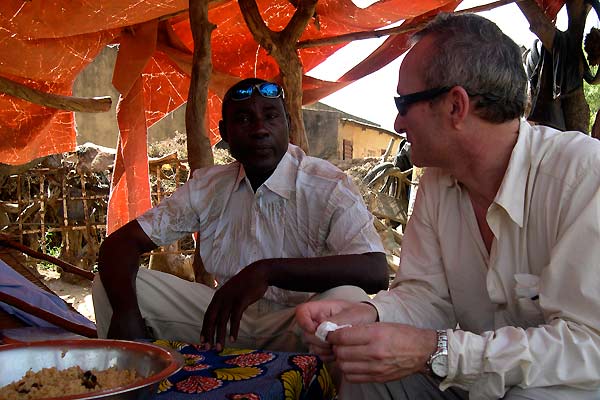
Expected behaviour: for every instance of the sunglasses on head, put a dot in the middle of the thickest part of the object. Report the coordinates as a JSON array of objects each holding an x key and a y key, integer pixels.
[
  {"x": 268, "y": 90},
  {"x": 403, "y": 103}
]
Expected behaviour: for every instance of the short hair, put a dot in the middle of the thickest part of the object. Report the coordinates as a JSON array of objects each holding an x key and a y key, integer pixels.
[
  {"x": 472, "y": 52},
  {"x": 243, "y": 82}
]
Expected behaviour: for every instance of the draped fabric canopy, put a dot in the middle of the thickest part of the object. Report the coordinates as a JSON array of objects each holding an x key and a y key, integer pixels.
[{"x": 44, "y": 44}]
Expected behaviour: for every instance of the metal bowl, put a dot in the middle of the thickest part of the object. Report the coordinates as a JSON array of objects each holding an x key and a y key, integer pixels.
[{"x": 151, "y": 362}]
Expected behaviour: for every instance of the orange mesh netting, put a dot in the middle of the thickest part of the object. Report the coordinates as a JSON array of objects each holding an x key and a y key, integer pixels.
[{"x": 44, "y": 44}]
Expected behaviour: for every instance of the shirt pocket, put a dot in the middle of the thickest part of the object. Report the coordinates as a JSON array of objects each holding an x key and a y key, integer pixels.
[{"x": 528, "y": 309}]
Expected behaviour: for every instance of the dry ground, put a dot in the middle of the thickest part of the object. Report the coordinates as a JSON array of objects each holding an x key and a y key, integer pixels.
[{"x": 79, "y": 295}]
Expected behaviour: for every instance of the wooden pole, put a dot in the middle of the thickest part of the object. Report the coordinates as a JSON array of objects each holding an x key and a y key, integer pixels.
[{"x": 67, "y": 103}]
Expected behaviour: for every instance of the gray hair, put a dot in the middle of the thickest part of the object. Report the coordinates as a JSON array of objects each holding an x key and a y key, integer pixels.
[{"x": 472, "y": 52}]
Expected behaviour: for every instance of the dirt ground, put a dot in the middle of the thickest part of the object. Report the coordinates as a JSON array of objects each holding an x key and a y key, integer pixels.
[{"x": 79, "y": 295}]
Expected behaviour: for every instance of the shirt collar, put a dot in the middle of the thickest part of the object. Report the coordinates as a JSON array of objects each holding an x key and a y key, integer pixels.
[
  {"x": 511, "y": 194},
  {"x": 282, "y": 180}
]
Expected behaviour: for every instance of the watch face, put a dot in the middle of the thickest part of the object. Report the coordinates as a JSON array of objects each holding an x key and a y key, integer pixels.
[{"x": 439, "y": 365}]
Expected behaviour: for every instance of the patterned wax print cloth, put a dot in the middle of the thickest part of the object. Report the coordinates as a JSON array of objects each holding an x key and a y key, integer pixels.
[{"x": 236, "y": 374}]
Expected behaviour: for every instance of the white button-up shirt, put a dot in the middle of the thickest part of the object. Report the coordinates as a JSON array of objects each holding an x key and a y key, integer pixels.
[
  {"x": 307, "y": 208},
  {"x": 529, "y": 311}
]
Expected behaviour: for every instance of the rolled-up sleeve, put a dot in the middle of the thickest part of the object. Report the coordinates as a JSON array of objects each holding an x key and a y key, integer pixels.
[
  {"x": 350, "y": 229},
  {"x": 419, "y": 294}
]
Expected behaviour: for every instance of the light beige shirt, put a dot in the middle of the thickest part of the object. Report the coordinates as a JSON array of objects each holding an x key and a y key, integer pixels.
[
  {"x": 529, "y": 312},
  {"x": 307, "y": 208}
]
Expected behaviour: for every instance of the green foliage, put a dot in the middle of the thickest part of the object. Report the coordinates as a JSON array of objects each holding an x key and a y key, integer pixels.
[
  {"x": 592, "y": 96},
  {"x": 52, "y": 247}
]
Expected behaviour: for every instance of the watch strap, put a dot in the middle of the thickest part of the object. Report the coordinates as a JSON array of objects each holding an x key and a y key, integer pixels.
[{"x": 441, "y": 350}]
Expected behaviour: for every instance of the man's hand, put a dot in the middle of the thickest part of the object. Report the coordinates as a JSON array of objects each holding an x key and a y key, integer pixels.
[
  {"x": 127, "y": 326},
  {"x": 381, "y": 352},
  {"x": 310, "y": 315},
  {"x": 230, "y": 301}
]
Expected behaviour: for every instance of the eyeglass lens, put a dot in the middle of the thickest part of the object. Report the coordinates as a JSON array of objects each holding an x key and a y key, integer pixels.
[
  {"x": 266, "y": 89},
  {"x": 404, "y": 102}
]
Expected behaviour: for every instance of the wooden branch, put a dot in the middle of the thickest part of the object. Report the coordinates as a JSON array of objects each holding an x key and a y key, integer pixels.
[
  {"x": 539, "y": 23},
  {"x": 282, "y": 47},
  {"x": 294, "y": 29},
  {"x": 261, "y": 32},
  {"x": 349, "y": 37},
  {"x": 48, "y": 316},
  {"x": 196, "y": 124},
  {"x": 67, "y": 103},
  {"x": 45, "y": 257}
]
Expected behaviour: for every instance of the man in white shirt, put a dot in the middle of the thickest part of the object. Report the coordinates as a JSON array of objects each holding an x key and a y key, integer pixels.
[
  {"x": 275, "y": 227},
  {"x": 497, "y": 295}
]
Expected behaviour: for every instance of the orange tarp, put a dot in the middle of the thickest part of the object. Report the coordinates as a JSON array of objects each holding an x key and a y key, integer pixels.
[{"x": 44, "y": 44}]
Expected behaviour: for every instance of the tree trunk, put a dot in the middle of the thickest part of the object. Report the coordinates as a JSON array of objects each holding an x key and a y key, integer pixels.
[
  {"x": 575, "y": 109},
  {"x": 596, "y": 127},
  {"x": 282, "y": 47},
  {"x": 196, "y": 123}
]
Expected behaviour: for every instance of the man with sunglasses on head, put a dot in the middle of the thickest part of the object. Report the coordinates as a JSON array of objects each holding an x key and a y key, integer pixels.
[
  {"x": 497, "y": 294},
  {"x": 275, "y": 227}
]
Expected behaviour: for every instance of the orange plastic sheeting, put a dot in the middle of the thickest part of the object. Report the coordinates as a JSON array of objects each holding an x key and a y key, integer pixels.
[
  {"x": 41, "y": 19},
  {"x": 29, "y": 131},
  {"x": 551, "y": 7},
  {"x": 161, "y": 76},
  {"x": 130, "y": 186}
]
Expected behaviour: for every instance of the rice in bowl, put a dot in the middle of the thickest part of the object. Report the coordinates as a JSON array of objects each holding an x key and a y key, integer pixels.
[{"x": 51, "y": 382}]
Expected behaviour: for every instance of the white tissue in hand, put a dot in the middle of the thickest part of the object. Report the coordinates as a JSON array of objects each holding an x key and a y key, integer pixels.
[{"x": 327, "y": 326}]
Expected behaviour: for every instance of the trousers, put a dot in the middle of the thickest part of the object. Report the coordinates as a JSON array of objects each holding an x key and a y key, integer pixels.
[
  {"x": 174, "y": 309},
  {"x": 423, "y": 387}
]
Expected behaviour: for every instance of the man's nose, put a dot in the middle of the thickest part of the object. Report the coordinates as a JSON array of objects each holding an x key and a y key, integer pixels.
[
  {"x": 399, "y": 124},
  {"x": 259, "y": 127}
]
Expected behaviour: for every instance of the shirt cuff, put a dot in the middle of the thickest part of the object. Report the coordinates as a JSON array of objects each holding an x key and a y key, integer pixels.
[
  {"x": 386, "y": 305},
  {"x": 465, "y": 358}
]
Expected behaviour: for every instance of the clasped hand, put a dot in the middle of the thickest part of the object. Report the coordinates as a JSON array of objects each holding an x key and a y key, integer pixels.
[
  {"x": 229, "y": 303},
  {"x": 368, "y": 351}
]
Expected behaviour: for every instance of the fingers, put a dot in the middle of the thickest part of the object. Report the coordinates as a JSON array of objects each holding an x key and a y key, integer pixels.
[
  {"x": 222, "y": 319},
  {"x": 234, "y": 323},
  {"x": 351, "y": 336},
  {"x": 214, "y": 326},
  {"x": 317, "y": 346},
  {"x": 371, "y": 370},
  {"x": 310, "y": 315},
  {"x": 352, "y": 353},
  {"x": 207, "y": 334},
  {"x": 304, "y": 317}
]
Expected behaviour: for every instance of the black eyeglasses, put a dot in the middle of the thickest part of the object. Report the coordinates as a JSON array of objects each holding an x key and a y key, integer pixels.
[
  {"x": 268, "y": 90},
  {"x": 403, "y": 103}
]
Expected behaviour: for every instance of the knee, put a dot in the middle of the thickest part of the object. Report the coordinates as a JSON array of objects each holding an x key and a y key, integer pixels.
[
  {"x": 98, "y": 287},
  {"x": 348, "y": 293}
]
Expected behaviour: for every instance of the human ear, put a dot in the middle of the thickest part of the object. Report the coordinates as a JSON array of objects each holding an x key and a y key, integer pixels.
[
  {"x": 460, "y": 104},
  {"x": 223, "y": 131}
]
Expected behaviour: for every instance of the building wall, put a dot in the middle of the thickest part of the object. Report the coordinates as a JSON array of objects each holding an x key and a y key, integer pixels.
[
  {"x": 102, "y": 128},
  {"x": 322, "y": 131},
  {"x": 366, "y": 141}
]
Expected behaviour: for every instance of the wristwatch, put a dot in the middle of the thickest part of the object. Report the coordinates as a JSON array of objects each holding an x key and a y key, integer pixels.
[{"x": 438, "y": 361}]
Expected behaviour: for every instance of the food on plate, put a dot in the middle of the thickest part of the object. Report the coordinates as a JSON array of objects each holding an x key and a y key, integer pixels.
[{"x": 50, "y": 382}]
